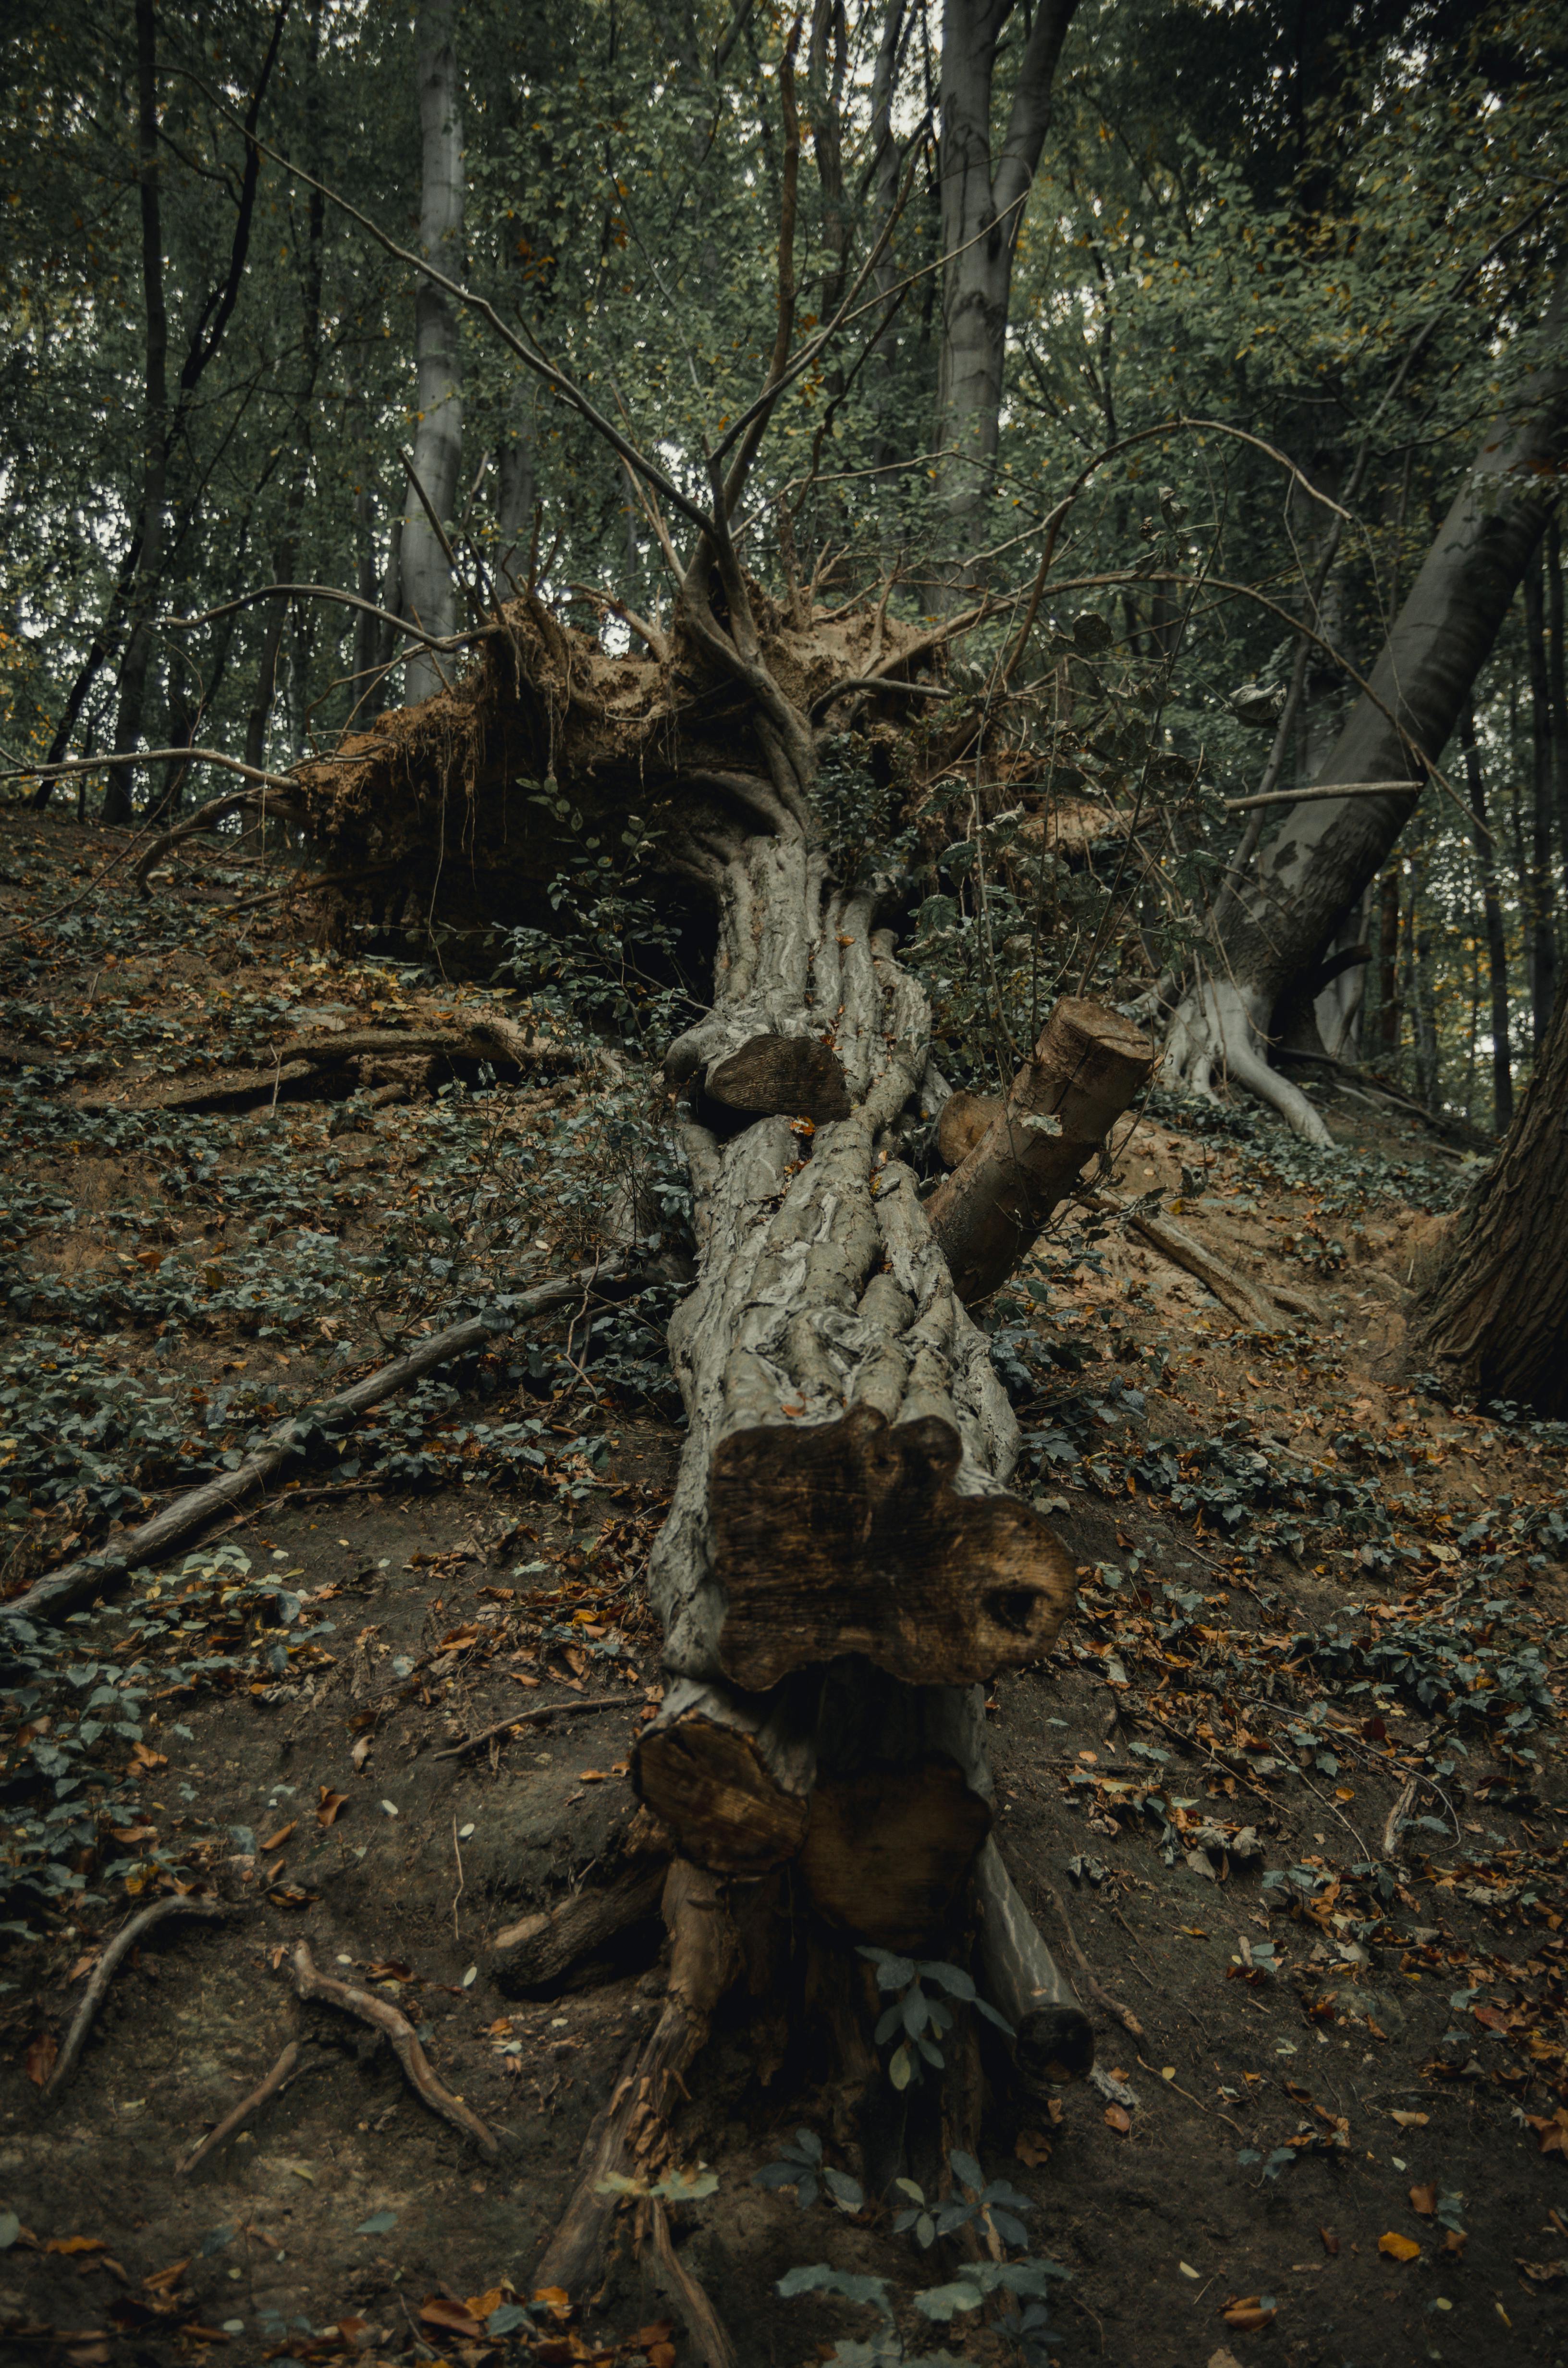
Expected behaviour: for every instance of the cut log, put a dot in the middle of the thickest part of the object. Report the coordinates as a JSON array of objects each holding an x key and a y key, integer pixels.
[
  {"x": 792, "y": 1076},
  {"x": 632, "y": 2129},
  {"x": 731, "y": 1776},
  {"x": 850, "y": 1537},
  {"x": 1087, "y": 1066},
  {"x": 1053, "y": 2038},
  {"x": 964, "y": 1120}
]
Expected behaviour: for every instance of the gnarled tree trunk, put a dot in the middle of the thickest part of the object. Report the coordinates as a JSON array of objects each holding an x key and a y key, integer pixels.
[
  {"x": 1277, "y": 924},
  {"x": 1496, "y": 1316}
]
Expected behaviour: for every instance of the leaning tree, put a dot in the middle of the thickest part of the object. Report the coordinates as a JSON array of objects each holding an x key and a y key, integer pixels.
[{"x": 1283, "y": 905}]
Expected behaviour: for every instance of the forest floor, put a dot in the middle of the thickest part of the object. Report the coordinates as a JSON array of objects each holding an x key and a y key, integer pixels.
[{"x": 1292, "y": 1776}]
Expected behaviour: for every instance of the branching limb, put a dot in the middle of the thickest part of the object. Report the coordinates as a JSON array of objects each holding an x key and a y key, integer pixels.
[
  {"x": 397, "y": 2029},
  {"x": 125, "y": 1940}
]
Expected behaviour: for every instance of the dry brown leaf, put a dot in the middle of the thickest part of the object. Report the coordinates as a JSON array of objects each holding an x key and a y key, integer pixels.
[
  {"x": 593, "y": 1776},
  {"x": 1330, "y": 2242},
  {"x": 453, "y": 2317},
  {"x": 481, "y": 2305},
  {"x": 1397, "y": 2247},
  {"x": 1425, "y": 2200},
  {"x": 42, "y": 2052},
  {"x": 1119, "y": 2118},
  {"x": 1032, "y": 2149},
  {"x": 73, "y": 2245},
  {"x": 329, "y": 1806},
  {"x": 1247, "y": 2317},
  {"x": 277, "y": 1841},
  {"x": 163, "y": 2280},
  {"x": 361, "y": 1750},
  {"x": 1412, "y": 2121}
]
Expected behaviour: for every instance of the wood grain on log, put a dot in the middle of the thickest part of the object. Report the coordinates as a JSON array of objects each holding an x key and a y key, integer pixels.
[
  {"x": 792, "y": 1076},
  {"x": 730, "y": 1775},
  {"x": 1089, "y": 1065},
  {"x": 963, "y": 1120},
  {"x": 544, "y": 1951},
  {"x": 849, "y": 1537}
]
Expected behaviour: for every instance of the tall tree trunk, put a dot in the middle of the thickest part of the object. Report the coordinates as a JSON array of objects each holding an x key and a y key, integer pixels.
[
  {"x": 1325, "y": 851},
  {"x": 429, "y": 594},
  {"x": 1424, "y": 990},
  {"x": 153, "y": 519},
  {"x": 1557, "y": 670},
  {"x": 1496, "y": 938},
  {"x": 1388, "y": 968},
  {"x": 983, "y": 195},
  {"x": 1496, "y": 1314},
  {"x": 1542, "y": 891}
]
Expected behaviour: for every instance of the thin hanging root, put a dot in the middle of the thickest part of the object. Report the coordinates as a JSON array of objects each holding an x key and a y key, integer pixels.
[
  {"x": 702, "y": 2321},
  {"x": 124, "y": 1940},
  {"x": 282, "y": 2072},
  {"x": 397, "y": 2028},
  {"x": 705, "y": 1958}
]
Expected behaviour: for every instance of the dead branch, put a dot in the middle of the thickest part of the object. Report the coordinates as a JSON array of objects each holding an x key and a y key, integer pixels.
[
  {"x": 1102, "y": 1997},
  {"x": 50, "y": 1597},
  {"x": 532, "y": 1716},
  {"x": 490, "y": 1037},
  {"x": 400, "y": 2031},
  {"x": 124, "y": 1940},
  {"x": 282, "y": 2072},
  {"x": 1087, "y": 1068}
]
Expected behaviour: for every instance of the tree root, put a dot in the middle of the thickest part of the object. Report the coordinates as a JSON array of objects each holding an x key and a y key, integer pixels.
[
  {"x": 77, "y": 1582},
  {"x": 702, "y": 2321},
  {"x": 705, "y": 1959},
  {"x": 1214, "y": 1028},
  {"x": 1101, "y": 1996},
  {"x": 395, "y": 2027},
  {"x": 282, "y": 2072},
  {"x": 124, "y": 1940},
  {"x": 488, "y": 1036}
]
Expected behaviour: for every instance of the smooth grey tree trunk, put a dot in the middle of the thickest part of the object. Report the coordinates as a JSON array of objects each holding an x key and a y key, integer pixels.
[
  {"x": 429, "y": 594},
  {"x": 983, "y": 196},
  {"x": 1325, "y": 851}
]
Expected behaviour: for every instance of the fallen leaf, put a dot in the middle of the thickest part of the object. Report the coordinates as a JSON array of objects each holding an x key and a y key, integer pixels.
[
  {"x": 1412, "y": 2121},
  {"x": 130, "y": 1835},
  {"x": 72, "y": 2244},
  {"x": 662, "y": 2355},
  {"x": 1397, "y": 2247},
  {"x": 1542, "y": 2273},
  {"x": 593, "y": 1776},
  {"x": 436, "y": 2311},
  {"x": 1223, "y": 2359},
  {"x": 1330, "y": 2242},
  {"x": 556, "y": 2300},
  {"x": 1249, "y": 2315},
  {"x": 646, "y": 2337},
  {"x": 328, "y": 1807},
  {"x": 163, "y": 2280},
  {"x": 361, "y": 1750},
  {"x": 1032, "y": 2149},
  {"x": 277, "y": 1841},
  {"x": 1119, "y": 2118},
  {"x": 481, "y": 2305},
  {"x": 1425, "y": 2200},
  {"x": 43, "y": 2049}
]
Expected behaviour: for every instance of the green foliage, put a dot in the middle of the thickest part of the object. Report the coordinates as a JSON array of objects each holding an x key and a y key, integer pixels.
[{"x": 916, "y": 2018}]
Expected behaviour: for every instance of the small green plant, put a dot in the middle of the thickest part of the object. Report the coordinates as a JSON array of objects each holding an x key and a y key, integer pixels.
[
  {"x": 989, "y": 2205},
  {"x": 921, "y": 2019},
  {"x": 1020, "y": 2288},
  {"x": 800, "y": 2165}
]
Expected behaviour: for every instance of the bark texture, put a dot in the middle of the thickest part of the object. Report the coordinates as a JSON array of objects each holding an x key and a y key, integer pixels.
[
  {"x": 1313, "y": 873},
  {"x": 1496, "y": 1316},
  {"x": 987, "y": 1214}
]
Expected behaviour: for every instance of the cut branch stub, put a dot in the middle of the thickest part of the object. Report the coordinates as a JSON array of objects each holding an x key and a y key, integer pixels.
[
  {"x": 849, "y": 1537},
  {"x": 788, "y": 1076},
  {"x": 1053, "y": 2040},
  {"x": 1087, "y": 1068},
  {"x": 963, "y": 1123}
]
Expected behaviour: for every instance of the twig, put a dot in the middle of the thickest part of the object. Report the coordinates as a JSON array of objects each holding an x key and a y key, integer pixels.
[
  {"x": 397, "y": 2028},
  {"x": 1398, "y": 1815},
  {"x": 701, "y": 2320},
  {"x": 1102, "y": 1997},
  {"x": 463, "y": 1879},
  {"x": 1321, "y": 789},
  {"x": 78, "y": 1581},
  {"x": 530, "y": 1717},
  {"x": 1212, "y": 2110},
  {"x": 282, "y": 2072},
  {"x": 124, "y": 1940}
]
